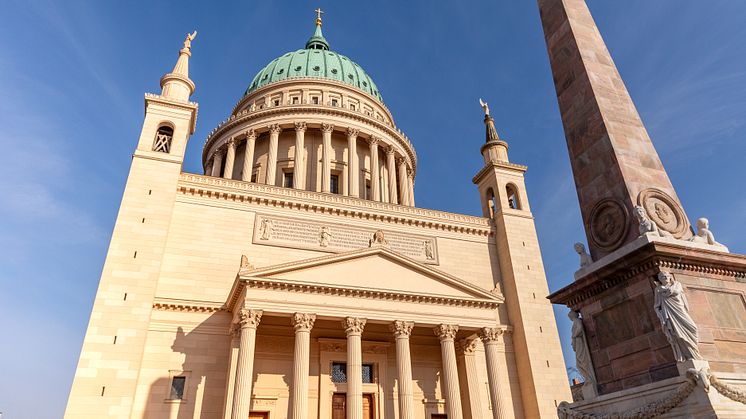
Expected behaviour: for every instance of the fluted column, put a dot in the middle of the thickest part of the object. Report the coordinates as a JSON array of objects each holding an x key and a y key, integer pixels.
[
  {"x": 353, "y": 173},
  {"x": 217, "y": 162},
  {"x": 374, "y": 169},
  {"x": 391, "y": 166},
  {"x": 354, "y": 329},
  {"x": 230, "y": 159},
  {"x": 403, "y": 182},
  {"x": 299, "y": 172},
  {"x": 248, "y": 156},
  {"x": 402, "y": 331},
  {"x": 447, "y": 333},
  {"x": 303, "y": 323},
  {"x": 410, "y": 186},
  {"x": 274, "y": 136},
  {"x": 490, "y": 338},
  {"x": 470, "y": 378},
  {"x": 248, "y": 321},
  {"x": 326, "y": 157}
]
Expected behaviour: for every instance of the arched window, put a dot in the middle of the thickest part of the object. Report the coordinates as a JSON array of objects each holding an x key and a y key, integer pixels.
[
  {"x": 491, "y": 202},
  {"x": 512, "y": 194},
  {"x": 163, "y": 138}
]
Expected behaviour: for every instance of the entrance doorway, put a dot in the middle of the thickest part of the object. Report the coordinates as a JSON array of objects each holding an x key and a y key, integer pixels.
[{"x": 339, "y": 406}]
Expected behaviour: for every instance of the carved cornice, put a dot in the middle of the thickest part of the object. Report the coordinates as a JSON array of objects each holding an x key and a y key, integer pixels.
[
  {"x": 446, "y": 331},
  {"x": 323, "y": 289},
  {"x": 651, "y": 257},
  {"x": 188, "y": 307},
  {"x": 498, "y": 164},
  {"x": 303, "y": 321},
  {"x": 401, "y": 329},
  {"x": 353, "y": 325},
  {"x": 253, "y": 193},
  {"x": 175, "y": 104}
]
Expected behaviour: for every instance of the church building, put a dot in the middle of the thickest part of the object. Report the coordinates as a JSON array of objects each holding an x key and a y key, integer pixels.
[{"x": 296, "y": 278}]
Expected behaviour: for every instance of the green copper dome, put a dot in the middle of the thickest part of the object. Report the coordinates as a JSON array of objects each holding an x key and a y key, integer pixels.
[{"x": 316, "y": 61}]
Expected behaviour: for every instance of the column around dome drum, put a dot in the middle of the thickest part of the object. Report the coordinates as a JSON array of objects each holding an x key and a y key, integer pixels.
[
  {"x": 248, "y": 157},
  {"x": 230, "y": 159},
  {"x": 354, "y": 172},
  {"x": 391, "y": 166},
  {"x": 403, "y": 181},
  {"x": 299, "y": 171},
  {"x": 326, "y": 157},
  {"x": 373, "y": 141},
  {"x": 274, "y": 136}
]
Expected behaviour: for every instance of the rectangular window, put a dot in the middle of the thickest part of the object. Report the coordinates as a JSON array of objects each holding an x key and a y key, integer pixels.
[
  {"x": 295, "y": 100},
  {"x": 334, "y": 184},
  {"x": 254, "y": 176},
  {"x": 287, "y": 180},
  {"x": 339, "y": 373},
  {"x": 177, "y": 388},
  {"x": 352, "y": 106},
  {"x": 335, "y": 102},
  {"x": 277, "y": 102},
  {"x": 315, "y": 100}
]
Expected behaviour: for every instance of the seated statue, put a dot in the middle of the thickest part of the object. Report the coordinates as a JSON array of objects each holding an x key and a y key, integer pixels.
[
  {"x": 647, "y": 225},
  {"x": 585, "y": 258},
  {"x": 704, "y": 235}
]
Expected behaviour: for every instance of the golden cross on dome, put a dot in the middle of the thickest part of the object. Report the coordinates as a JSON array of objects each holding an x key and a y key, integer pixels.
[{"x": 318, "y": 16}]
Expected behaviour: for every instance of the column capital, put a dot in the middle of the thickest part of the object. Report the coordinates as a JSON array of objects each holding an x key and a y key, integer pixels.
[
  {"x": 446, "y": 331},
  {"x": 467, "y": 346},
  {"x": 390, "y": 150},
  {"x": 249, "y": 318},
  {"x": 250, "y": 134},
  {"x": 373, "y": 141},
  {"x": 327, "y": 128},
  {"x": 490, "y": 334},
  {"x": 409, "y": 172},
  {"x": 232, "y": 142},
  {"x": 300, "y": 126},
  {"x": 401, "y": 328},
  {"x": 401, "y": 160},
  {"x": 353, "y": 325},
  {"x": 275, "y": 129},
  {"x": 352, "y": 132},
  {"x": 303, "y": 321}
]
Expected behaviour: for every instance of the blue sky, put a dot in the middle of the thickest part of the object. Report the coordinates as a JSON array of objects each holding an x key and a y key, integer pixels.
[{"x": 73, "y": 74}]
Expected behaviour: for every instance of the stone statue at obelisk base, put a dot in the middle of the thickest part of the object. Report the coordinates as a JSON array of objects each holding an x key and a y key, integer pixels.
[{"x": 583, "y": 361}]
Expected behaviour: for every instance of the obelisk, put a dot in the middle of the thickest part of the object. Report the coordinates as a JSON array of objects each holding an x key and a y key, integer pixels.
[{"x": 614, "y": 163}]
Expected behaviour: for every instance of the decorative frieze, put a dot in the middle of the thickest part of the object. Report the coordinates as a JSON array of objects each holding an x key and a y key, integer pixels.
[{"x": 304, "y": 234}]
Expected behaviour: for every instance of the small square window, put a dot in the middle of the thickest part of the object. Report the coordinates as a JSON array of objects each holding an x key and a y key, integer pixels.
[
  {"x": 315, "y": 100},
  {"x": 177, "y": 388},
  {"x": 352, "y": 106},
  {"x": 277, "y": 102},
  {"x": 334, "y": 184},
  {"x": 287, "y": 180},
  {"x": 335, "y": 102},
  {"x": 295, "y": 100},
  {"x": 339, "y": 372}
]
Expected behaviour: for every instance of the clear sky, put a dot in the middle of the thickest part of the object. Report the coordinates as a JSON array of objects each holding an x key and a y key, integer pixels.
[{"x": 73, "y": 74}]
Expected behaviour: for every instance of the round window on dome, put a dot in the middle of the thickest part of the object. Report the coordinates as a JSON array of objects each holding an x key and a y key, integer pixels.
[
  {"x": 351, "y": 77},
  {"x": 280, "y": 71},
  {"x": 365, "y": 84},
  {"x": 334, "y": 71},
  {"x": 298, "y": 68},
  {"x": 316, "y": 68}
]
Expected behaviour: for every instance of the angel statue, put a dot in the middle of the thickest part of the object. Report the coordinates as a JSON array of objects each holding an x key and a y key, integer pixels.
[
  {"x": 672, "y": 309},
  {"x": 485, "y": 107},
  {"x": 189, "y": 38}
]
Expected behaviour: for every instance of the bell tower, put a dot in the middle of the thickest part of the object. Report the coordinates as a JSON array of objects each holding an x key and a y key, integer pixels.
[
  {"x": 107, "y": 373},
  {"x": 535, "y": 338}
]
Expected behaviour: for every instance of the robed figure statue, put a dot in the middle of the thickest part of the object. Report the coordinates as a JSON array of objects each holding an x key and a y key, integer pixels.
[
  {"x": 582, "y": 353},
  {"x": 672, "y": 309}
]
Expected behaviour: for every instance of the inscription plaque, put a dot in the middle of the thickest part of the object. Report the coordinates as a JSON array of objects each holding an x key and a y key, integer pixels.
[{"x": 337, "y": 238}]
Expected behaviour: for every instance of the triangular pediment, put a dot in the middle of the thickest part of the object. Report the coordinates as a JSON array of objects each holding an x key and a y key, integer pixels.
[{"x": 376, "y": 269}]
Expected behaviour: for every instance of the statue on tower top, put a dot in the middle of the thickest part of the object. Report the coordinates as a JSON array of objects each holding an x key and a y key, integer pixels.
[
  {"x": 188, "y": 41},
  {"x": 485, "y": 107}
]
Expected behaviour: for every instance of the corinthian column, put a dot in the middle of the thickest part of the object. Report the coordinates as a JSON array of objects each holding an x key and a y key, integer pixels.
[
  {"x": 230, "y": 158},
  {"x": 391, "y": 166},
  {"x": 402, "y": 331},
  {"x": 470, "y": 379},
  {"x": 403, "y": 182},
  {"x": 354, "y": 172},
  {"x": 217, "y": 162},
  {"x": 326, "y": 157},
  {"x": 248, "y": 156},
  {"x": 303, "y": 323},
  {"x": 447, "y": 333},
  {"x": 490, "y": 336},
  {"x": 274, "y": 136},
  {"x": 354, "y": 329},
  {"x": 248, "y": 321},
  {"x": 374, "y": 169},
  {"x": 300, "y": 166},
  {"x": 410, "y": 186}
]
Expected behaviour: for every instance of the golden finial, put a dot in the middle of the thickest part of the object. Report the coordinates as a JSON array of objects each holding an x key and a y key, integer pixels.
[{"x": 318, "y": 16}]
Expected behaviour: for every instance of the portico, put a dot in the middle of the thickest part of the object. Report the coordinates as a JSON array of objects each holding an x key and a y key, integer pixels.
[{"x": 362, "y": 325}]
